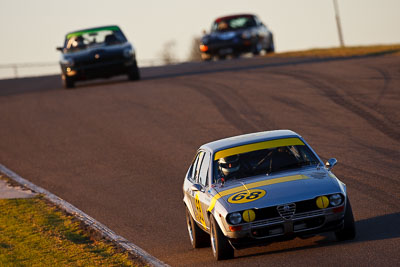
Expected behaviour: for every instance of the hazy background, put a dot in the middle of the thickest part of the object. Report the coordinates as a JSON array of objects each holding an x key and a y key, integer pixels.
[{"x": 30, "y": 30}]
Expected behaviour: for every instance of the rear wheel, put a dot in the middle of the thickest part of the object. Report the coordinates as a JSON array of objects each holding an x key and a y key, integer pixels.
[
  {"x": 198, "y": 237},
  {"x": 221, "y": 248},
  {"x": 349, "y": 230}
]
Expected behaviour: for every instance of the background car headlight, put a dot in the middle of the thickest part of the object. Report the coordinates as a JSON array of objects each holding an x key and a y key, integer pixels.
[
  {"x": 235, "y": 218},
  {"x": 203, "y": 48},
  {"x": 335, "y": 199},
  {"x": 128, "y": 52},
  {"x": 246, "y": 35}
]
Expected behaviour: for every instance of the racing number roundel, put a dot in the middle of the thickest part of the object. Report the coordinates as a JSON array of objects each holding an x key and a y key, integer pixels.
[{"x": 246, "y": 196}]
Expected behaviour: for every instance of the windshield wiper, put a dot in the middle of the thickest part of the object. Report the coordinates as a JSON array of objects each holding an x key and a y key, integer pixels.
[{"x": 290, "y": 166}]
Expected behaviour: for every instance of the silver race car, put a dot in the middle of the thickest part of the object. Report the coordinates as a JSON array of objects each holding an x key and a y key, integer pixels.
[{"x": 257, "y": 188}]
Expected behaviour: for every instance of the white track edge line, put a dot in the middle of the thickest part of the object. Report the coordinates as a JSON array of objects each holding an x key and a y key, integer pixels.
[{"x": 89, "y": 221}]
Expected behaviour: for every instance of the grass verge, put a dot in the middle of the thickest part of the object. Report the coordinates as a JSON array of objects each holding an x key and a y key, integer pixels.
[
  {"x": 343, "y": 51},
  {"x": 34, "y": 232}
]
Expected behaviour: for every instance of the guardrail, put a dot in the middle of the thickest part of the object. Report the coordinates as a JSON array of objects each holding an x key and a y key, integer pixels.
[
  {"x": 18, "y": 70},
  {"x": 16, "y": 67}
]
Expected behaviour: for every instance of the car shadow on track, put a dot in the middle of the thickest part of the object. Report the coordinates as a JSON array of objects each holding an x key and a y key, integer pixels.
[
  {"x": 378, "y": 228},
  {"x": 371, "y": 229}
]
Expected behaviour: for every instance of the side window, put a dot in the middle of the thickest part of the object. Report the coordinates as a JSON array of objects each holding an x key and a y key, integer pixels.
[
  {"x": 192, "y": 171},
  {"x": 203, "y": 177},
  {"x": 196, "y": 166}
]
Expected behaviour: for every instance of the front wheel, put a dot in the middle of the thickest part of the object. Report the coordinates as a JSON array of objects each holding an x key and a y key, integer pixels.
[
  {"x": 349, "y": 230},
  {"x": 133, "y": 73},
  {"x": 271, "y": 47},
  {"x": 257, "y": 48},
  {"x": 198, "y": 237},
  {"x": 221, "y": 248},
  {"x": 68, "y": 82}
]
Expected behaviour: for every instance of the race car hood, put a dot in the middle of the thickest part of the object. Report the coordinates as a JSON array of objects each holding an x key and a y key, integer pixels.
[
  {"x": 277, "y": 189},
  {"x": 103, "y": 52},
  {"x": 222, "y": 36}
]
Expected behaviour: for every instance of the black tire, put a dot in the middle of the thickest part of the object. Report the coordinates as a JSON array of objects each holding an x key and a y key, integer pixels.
[
  {"x": 68, "y": 83},
  {"x": 271, "y": 47},
  {"x": 257, "y": 49},
  {"x": 198, "y": 237},
  {"x": 349, "y": 229},
  {"x": 221, "y": 248},
  {"x": 134, "y": 73}
]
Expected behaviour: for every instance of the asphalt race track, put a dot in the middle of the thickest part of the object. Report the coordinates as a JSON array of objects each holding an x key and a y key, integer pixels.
[{"x": 119, "y": 150}]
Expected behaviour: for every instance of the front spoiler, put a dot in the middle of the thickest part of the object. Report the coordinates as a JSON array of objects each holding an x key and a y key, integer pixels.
[
  {"x": 248, "y": 241},
  {"x": 99, "y": 70}
]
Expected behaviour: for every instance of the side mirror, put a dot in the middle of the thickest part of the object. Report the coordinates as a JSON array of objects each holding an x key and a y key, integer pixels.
[
  {"x": 330, "y": 163},
  {"x": 196, "y": 187},
  {"x": 59, "y": 48}
]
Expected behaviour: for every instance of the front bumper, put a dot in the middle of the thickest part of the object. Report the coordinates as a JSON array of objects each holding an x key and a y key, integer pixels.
[
  {"x": 230, "y": 47},
  {"x": 94, "y": 70},
  {"x": 300, "y": 225}
]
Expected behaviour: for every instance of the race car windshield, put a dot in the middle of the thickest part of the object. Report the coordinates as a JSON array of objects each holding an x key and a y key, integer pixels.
[
  {"x": 90, "y": 38},
  {"x": 233, "y": 23},
  {"x": 263, "y": 161}
]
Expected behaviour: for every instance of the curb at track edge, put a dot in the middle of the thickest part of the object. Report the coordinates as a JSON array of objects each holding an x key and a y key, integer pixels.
[{"x": 86, "y": 219}]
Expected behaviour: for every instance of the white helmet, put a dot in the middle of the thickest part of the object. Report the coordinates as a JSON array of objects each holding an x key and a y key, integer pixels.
[{"x": 229, "y": 165}]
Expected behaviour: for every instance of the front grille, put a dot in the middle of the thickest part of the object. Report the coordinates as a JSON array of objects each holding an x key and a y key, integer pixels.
[
  {"x": 308, "y": 214},
  {"x": 286, "y": 211},
  {"x": 306, "y": 205},
  {"x": 274, "y": 226},
  {"x": 267, "y": 222},
  {"x": 266, "y": 213}
]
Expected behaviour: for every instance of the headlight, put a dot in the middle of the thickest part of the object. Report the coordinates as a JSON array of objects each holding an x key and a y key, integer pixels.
[
  {"x": 128, "y": 52},
  {"x": 335, "y": 199},
  {"x": 235, "y": 218},
  {"x": 249, "y": 215},
  {"x": 322, "y": 202},
  {"x": 69, "y": 62},
  {"x": 203, "y": 48},
  {"x": 246, "y": 35}
]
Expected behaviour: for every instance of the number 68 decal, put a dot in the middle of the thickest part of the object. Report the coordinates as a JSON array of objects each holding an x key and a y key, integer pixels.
[{"x": 246, "y": 196}]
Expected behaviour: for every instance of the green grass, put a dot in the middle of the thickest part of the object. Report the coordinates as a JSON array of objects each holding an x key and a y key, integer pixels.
[
  {"x": 342, "y": 51},
  {"x": 35, "y": 233}
]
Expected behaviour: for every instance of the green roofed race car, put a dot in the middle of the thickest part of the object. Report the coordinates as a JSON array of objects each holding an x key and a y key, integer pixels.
[
  {"x": 99, "y": 52},
  {"x": 257, "y": 188}
]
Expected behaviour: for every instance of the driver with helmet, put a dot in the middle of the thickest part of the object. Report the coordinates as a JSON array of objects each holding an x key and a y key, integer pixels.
[{"x": 229, "y": 167}]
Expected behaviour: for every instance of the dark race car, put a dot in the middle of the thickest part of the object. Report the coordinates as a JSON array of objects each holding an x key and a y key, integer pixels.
[
  {"x": 234, "y": 35},
  {"x": 99, "y": 52}
]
